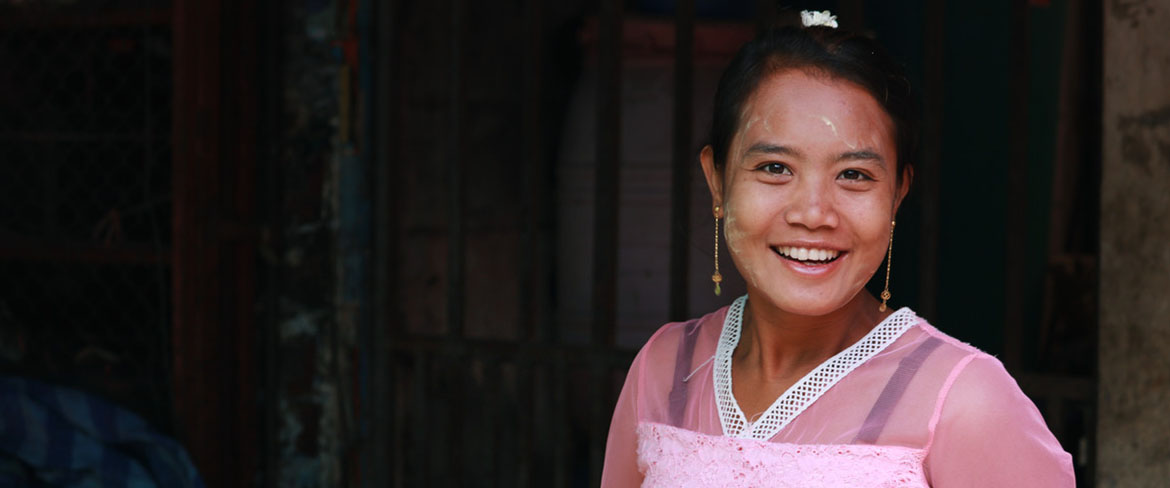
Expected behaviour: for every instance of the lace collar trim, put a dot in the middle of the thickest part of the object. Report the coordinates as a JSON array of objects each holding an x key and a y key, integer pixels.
[{"x": 805, "y": 391}]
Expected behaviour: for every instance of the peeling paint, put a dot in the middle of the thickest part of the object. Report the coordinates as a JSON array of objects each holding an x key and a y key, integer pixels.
[
  {"x": 1164, "y": 148},
  {"x": 1141, "y": 134},
  {"x": 1135, "y": 218},
  {"x": 1150, "y": 119},
  {"x": 1135, "y": 151},
  {"x": 1130, "y": 11},
  {"x": 313, "y": 348}
]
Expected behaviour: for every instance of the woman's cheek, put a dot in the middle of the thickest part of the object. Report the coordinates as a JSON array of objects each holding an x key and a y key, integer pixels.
[
  {"x": 735, "y": 237},
  {"x": 731, "y": 231}
]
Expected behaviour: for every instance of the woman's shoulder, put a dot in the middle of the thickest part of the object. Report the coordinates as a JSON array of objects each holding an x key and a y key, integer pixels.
[
  {"x": 973, "y": 377},
  {"x": 983, "y": 418},
  {"x": 959, "y": 371},
  {"x": 661, "y": 349},
  {"x": 668, "y": 337},
  {"x": 949, "y": 345}
]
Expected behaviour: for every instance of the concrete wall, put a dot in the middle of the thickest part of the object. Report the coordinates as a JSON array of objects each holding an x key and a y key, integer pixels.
[{"x": 1134, "y": 427}]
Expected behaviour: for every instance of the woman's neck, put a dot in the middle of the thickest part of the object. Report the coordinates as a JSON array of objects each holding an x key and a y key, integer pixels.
[{"x": 783, "y": 345}]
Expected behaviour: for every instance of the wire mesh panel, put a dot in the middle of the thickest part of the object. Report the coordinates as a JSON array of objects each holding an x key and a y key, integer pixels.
[{"x": 85, "y": 228}]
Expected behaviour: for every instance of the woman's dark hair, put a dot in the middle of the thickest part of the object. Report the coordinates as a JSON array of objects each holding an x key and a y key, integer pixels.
[{"x": 821, "y": 50}]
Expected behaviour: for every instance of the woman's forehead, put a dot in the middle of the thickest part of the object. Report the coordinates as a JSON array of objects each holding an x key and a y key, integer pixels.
[{"x": 797, "y": 106}]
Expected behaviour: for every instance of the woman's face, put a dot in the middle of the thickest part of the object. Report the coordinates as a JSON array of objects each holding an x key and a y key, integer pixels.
[{"x": 808, "y": 191}]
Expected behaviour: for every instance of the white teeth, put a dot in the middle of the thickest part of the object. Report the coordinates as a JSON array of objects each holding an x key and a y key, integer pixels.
[{"x": 806, "y": 254}]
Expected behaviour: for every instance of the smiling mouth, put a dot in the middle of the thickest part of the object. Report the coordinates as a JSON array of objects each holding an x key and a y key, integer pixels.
[{"x": 808, "y": 256}]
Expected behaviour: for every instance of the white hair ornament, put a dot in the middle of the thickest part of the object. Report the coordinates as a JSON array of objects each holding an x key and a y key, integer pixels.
[{"x": 810, "y": 18}]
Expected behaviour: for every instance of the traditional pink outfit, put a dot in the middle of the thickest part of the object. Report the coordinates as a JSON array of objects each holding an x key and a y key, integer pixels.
[{"x": 905, "y": 406}]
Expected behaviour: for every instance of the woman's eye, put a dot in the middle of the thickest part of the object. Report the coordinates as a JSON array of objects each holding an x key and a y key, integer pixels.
[
  {"x": 852, "y": 174},
  {"x": 775, "y": 169}
]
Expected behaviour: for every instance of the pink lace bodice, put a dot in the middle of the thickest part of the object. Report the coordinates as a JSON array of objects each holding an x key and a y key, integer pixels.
[
  {"x": 905, "y": 406},
  {"x": 673, "y": 457}
]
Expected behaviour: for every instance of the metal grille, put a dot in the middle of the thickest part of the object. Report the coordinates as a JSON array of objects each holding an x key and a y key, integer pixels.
[
  {"x": 84, "y": 235},
  {"x": 528, "y": 402},
  {"x": 490, "y": 386}
]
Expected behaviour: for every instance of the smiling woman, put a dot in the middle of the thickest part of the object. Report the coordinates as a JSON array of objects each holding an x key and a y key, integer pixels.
[
  {"x": 812, "y": 172},
  {"x": 809, "y": 380}
]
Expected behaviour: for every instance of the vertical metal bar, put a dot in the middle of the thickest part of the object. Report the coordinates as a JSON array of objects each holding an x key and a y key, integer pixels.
[
  {"x": 926, "y": 176},
  {"x": 531, "y": 188},
  {"x": 196, "y": 311},
  {"x": 1054, "y": 414},
  {"x": 160, "y": 334},
  {"x": 271, "y": 198},
  {"x": 423, "y": 407},
  {"x": 680, "y": 178},
  {"x": 455, "y": 224},
  {"x": 49, "y": 191},
  {"x": 490, "y": 396},
  {"x": 398, "y": 457},
  {"x": 525, "y": 399},
  {"x": 456, "y": 380},
  {"x": 243, "y": 91},
  {"x": 605, "y": 215},
  {"x": 380, "y": 459},
  {"x": 1093, "y": 33},
  {"x": 1068, "y": 152},
  {"x": 559, "y": 388},
  {"x": 471, "y": 433},
  {"x": 1015, "y": 255},
  {"x": 353, "y": 331},
  {"x": 598, "y": 424},
  {"x": 442, "y": 445},
  {"x": 542, "y": 439},
  {"x": 507, "y": 406}
]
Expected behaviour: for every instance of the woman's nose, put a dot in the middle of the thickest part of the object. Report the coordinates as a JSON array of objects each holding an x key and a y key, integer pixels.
[{"x": 812, "y": 207}]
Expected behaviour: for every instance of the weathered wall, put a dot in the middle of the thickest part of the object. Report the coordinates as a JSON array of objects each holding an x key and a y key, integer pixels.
[
  {"x": 1133, "y": 428},
  {"x": 310, "y": 343}
]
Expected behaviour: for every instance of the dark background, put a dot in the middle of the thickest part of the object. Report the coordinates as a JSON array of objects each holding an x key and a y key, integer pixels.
[{"x": 349, "y": 242}]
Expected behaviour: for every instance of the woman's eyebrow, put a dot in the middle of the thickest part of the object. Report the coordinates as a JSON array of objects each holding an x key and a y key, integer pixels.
[
  {"x": 861, "y": 155},
  {"x": 766, "y": 148}
]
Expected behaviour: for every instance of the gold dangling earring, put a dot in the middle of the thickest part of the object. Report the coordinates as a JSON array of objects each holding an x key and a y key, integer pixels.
[
  {"x": 889, "y": 256},
  {"x": 717, "y": 278}
]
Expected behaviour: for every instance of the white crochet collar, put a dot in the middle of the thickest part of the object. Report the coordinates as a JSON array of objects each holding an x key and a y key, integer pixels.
[{"x": 804, "y": 392}]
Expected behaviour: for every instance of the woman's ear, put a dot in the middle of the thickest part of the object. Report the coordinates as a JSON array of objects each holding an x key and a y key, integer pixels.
[
  {"x": 713, "y": 175},
  {"x": 903, "y": 186}
]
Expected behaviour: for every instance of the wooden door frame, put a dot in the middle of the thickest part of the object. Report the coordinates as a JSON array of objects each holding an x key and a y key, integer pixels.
[{"x": 214, "y": 162}]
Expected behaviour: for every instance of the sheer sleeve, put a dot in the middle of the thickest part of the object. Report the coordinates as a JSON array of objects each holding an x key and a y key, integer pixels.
[
  {"x": 645, "y": 397},
  {"x": 986, "y": 432},
  {"x": 621, "y": 446}
]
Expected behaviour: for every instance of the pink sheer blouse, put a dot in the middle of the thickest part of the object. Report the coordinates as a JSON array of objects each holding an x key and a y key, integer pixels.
[{"x": 905, "y": 406}]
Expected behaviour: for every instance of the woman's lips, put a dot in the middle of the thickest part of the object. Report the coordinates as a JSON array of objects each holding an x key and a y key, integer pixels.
[
  {"x": 807, "y": 254},
  {"x": 809, "y": 260}
]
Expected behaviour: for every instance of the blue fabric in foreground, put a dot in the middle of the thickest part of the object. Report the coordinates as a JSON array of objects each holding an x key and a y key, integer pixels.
[{"x": 60, "y": 437}]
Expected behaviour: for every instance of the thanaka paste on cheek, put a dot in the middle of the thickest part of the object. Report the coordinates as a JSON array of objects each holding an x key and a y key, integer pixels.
[
  {"x": 735, "y": 236},
  {"x": 731, "y": 231}
]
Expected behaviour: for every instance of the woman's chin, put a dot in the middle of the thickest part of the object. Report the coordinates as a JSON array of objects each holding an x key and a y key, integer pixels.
[{"x": 801, "y": 302}]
